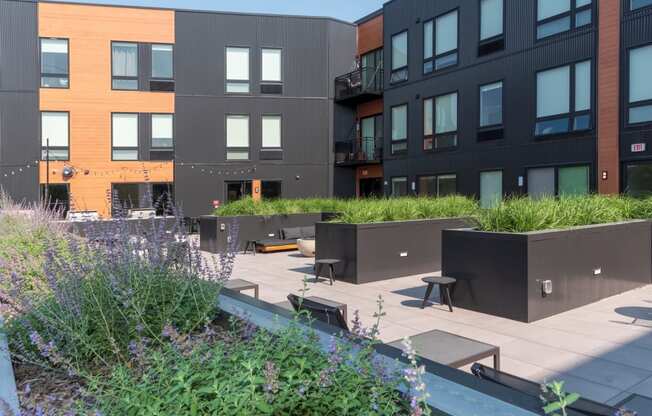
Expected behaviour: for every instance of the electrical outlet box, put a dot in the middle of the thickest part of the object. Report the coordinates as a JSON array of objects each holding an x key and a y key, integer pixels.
[
  {"x": 597, "y": 272},
  {"x": 271, "y": 235},
  {"x": 222, "y": 227},
  {"x": 546, "y": 287},
  {"x": 404, "y": 254}
]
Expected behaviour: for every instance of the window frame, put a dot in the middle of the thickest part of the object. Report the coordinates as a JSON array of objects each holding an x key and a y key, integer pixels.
[
  {"x": 502, "y": 182},
  {"x": 152, "y": 62},
  {"x": 494, "y": 43},
  {"x": 125, "y": 78},
  {"x": 227, "y": 81},
  {"x": 392, "y": 142},
  {"x": 405, "y": 68},
  {"x": 572, "y": 114},
  {"x": 556, "y": 169},
  {"x": 151, "y": 143},
  {"x": 280, "y": 117},
  {"x": 630, "y": 9},
  {"x": 492, "y": 127},
  {"x": 391, "y": 186},
  {"x": 266, "y": 81},
  {"x": 238, "y": 148},
  {"x": 637, "y": 104},
  {"x": 67, "y": 148},
  {"x": 137, "y": 147},
  {"x": 436, "y": 176},
  {"x": 435, "y": 136},
  {"x": 270, "y": 180},
  {"x": 571, "y": 14},
  {"x": 434, "y": 58},
  {"x": 53, "y": 75}
]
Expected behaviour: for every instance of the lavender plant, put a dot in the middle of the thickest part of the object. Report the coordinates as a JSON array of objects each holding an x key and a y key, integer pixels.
[{"x": 111, "y": 291}]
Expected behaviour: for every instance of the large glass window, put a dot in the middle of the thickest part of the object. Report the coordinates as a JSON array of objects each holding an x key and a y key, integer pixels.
[
  {"x": 237, "y": 70},
  {"x": 491, "y": 104},
  {"x": 399, "y": 57},
  {"x": 162, "y": 61},
  {"x": 557, "y": 16},
  {"x": 399, "y": 128},
  {"x": 54, "y": 135},
  {"x": 271, "y": 63},
  {"x": 445, "y": 122},
  {"x": 237, "y": 137},
  {"x": 638, "y": 4},
  {"x": 445, "y": 42},
  {"x": 271, "y": 189},
  {"x": 640, "y": 87},
  {"x": 491, "y": 188},
  {"x": 124, "y": 65},
  {"x": 54, "y": 63},
  {"x": 399, "y": 186},
  {"x": 124, "y": 131},
  {"x": 491, "y": 19},
  {"x": 559, "y": 109},
  {"x": 162, "y": 131},
  {"x": 271, "y": 132},
  {"x": 558, "y": 181},
  {"x": 638, "y": 179},
  {"x": 437, "y": 185}
]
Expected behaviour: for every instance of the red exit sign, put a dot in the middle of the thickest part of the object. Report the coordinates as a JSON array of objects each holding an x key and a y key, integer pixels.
[{"x": 638, "y": 147}]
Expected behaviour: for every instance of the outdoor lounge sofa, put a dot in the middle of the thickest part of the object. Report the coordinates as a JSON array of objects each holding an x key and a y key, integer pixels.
[{"x": 287, "y": 239}]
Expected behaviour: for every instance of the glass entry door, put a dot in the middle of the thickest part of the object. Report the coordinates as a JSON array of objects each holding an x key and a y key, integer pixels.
[{"x": 491, "y": 188}]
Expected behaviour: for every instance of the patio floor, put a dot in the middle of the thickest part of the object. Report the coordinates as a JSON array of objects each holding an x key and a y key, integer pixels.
[{"x": 601, "y": 351}]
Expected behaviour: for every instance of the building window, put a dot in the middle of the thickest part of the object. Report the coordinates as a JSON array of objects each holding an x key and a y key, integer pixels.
[
  {"x": 237, "y": 190},
  {"x": 162, "y": 61},
  {"x": 437, "y": 185},
  {"x": 399, "y": 186},
  {"x": 271, "y": 132},
  {"x": 54, "y": 63},
  {"x": 271, "y": 71},
  {"x": 640, "y": 87},
  {"x": 237, "y": 137},
  {"x": 639, "y": 4},
  {"x": 237, "y": 70},
  {"x": 124, "y": 57},
  {"x": 124, "y": 136},
  {"x": 271, "y": 189},
  {"x": 491, "y": 105},
  {"x": 491, "y": 19},
  {"x": 445, "y": 122},
  {"x": 54, "y": 135},
  {"x": 445, "y": 41},
  {"x": 56, "y": 197},
  {"x": 559, "y": 108},
  {"x": 491, "y": 188},
  {"x": 399, "y": 129},
  {"x": 371, "y": 65},
  {"x": 557, "y": 16},
  {"x": 562, "y": 181},
  {"x": 638, "y": 179},
  {"x": 399, "y": 57},
  {"x": 162, "y": 131}
]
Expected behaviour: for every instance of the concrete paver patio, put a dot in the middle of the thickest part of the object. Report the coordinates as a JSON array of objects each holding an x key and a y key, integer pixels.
[{"x": 602, "y": 350}]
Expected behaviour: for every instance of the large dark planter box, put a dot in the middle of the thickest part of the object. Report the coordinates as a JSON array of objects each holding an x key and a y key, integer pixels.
[
  {"x": 502, "y": 273},
  {"x": 381, "y": 251},
  {"x": 214, "y": 231}
]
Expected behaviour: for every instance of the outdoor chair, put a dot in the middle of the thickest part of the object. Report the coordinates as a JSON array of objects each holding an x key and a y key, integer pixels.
[
  {"x": 331, "y": 315},
  {"x": 287, "y": 239}
]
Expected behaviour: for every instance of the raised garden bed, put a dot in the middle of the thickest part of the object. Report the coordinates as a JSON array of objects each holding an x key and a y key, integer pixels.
[
  {"x": 217, "y": 231},
  {"x": 503, "y": 273},
  {"x": 385, "y": 250}
]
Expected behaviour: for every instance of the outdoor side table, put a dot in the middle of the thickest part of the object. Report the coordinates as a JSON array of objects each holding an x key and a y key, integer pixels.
[
  {"x": 239, "y": 285},
  {"x": 331, "y": 270},
  {"x": 444, "y": 284},
  {"x": 450, "y": 349},
  {"x": 250, "y": 245}
]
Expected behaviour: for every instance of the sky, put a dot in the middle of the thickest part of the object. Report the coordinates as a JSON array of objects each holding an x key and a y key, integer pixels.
[{"x": 348, "y": 10}]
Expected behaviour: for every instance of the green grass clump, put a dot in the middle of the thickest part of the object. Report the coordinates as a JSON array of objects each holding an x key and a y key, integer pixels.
[
  {"x": 358, "y": 211},
  {"x": 522, "y": 214}
]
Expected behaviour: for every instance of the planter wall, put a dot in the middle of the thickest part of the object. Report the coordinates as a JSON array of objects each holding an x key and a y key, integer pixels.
[
  {"x": 214, "y": 230},
  {"x": 135, "y": 226},
  {"x": 381, "y": 251},
  {"x": 501, "y": 273}
]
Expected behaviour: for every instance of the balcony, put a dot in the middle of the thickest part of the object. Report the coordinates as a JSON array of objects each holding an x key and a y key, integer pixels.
[
  {"x": 360, "y": 85},
  {"x": 361, "y": 151}
]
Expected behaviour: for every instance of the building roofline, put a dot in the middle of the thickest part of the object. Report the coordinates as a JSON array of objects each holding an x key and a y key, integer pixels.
[
  {"x": 370, "y": 16},
  {"x": 124, "y": 6}
]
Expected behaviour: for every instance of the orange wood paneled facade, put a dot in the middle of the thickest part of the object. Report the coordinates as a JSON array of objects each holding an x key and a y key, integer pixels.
[
  {"x": 370, "y": 35},
  {"x": 90, "y": 99},
  {"x": 609, "y": 97}
]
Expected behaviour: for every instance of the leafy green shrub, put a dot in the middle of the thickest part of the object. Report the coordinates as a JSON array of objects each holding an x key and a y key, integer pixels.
[
  {"x": 358, "y": 210},
  {"x": 524, "y": 214}
]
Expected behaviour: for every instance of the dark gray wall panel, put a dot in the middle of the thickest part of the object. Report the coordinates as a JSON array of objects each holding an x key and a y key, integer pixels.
[
  {"x": 19, "y": 116},
  {"x": 516, "y": 66}
]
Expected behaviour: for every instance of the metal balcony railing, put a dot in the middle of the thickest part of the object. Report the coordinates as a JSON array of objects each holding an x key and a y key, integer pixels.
[
  {"x": 363, "y": 83},
  {"x": 360, "y": 151}
]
